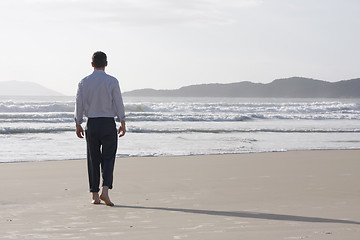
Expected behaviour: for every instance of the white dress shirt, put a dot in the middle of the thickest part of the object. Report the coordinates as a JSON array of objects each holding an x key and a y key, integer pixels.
[{"x": 99, "y": 95}]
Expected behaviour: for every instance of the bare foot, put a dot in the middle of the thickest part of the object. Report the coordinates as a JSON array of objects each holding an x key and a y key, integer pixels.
[
  {"x": 96, "y": 199},
  {"x": 106, "y": 200}
]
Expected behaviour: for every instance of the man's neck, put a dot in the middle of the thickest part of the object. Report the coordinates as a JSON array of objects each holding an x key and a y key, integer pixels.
[{"x": 103, "y": 68}]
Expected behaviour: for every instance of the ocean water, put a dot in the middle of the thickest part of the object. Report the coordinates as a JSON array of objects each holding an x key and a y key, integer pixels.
[{"x": 42, "y": 128}]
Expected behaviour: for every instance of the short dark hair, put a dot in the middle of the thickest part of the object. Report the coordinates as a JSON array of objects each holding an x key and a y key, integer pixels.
[{"x": 99, "y": 59}]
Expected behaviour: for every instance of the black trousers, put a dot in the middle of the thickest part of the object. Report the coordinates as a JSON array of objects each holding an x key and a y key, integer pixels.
[{"x": 101, "y": 139}]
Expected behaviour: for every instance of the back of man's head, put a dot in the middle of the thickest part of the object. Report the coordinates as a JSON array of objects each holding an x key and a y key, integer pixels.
[{"x": 99, "y": 59}]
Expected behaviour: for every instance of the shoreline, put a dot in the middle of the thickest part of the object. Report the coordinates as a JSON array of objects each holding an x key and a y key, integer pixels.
[
  {"x": 282, "y": 195},
  {"x": 191, "y": 155}
]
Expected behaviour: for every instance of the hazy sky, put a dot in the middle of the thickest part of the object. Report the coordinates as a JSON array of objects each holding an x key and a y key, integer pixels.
[{"x": 166, "y": 44}]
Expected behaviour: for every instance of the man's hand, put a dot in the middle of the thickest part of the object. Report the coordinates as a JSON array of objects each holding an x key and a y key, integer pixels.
[
  {"x": 79, "y": 131},
  {"x": 122, "y": 129}
]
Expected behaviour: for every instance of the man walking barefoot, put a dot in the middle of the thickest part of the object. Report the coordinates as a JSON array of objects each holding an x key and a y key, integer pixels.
[{"x": 99, "y": 99}]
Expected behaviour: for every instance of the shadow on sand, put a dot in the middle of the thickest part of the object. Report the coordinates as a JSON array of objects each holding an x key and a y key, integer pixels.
[{"x": 242, "y": 214}]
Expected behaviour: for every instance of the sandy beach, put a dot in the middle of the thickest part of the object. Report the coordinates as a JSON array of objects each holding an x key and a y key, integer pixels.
[{"x": 285, "y": 195}]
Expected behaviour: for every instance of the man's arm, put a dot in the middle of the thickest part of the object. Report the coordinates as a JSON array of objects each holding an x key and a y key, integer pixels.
[
  {"x": 79, "y": 111},
  {"x": 119, "y": 104}
]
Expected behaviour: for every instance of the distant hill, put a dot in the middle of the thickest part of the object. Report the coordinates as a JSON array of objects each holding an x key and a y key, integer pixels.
[
  {"x": 18, "y": 88},
  {"x": 295, "y": 87}
]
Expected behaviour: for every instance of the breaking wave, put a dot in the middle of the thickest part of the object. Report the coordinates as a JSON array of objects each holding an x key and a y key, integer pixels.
[
  {"x": 9, "y": 130},
  {"x": 18, "y": 130},
  {"x": 57, "y": 116}
]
